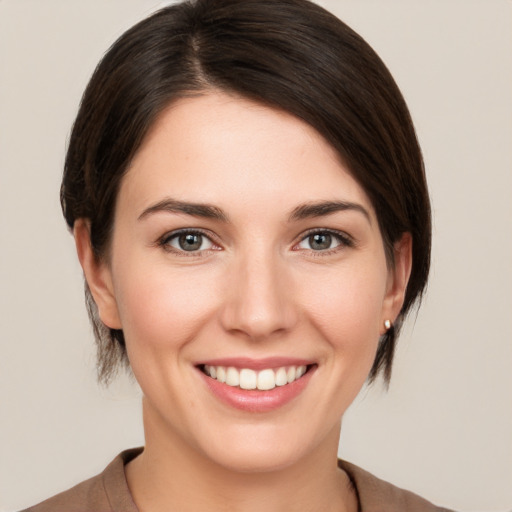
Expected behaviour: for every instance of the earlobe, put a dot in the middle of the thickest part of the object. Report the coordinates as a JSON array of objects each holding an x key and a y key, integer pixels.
[
  {"x": 398, "y": 278},
  {"x": 97, "y": 274}
]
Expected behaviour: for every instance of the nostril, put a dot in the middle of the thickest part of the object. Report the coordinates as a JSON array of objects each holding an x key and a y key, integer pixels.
[{"x": 260, "y": 303}]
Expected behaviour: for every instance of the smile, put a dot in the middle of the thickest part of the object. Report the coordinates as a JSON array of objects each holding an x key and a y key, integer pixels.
[
  {"x": 257, "y": 385},
  {"x": 248, "y": 379}
]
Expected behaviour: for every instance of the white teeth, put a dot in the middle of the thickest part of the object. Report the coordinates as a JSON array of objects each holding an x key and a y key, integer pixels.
[
  {"x": 266, "y": 380},
  {"x": 281, "y": 379},
  {"x": 232, "y": 377},
  {"x": 301, "y": 370},
  {"x": 221, "y": 374},
  {"x": 250, "y": 379}
]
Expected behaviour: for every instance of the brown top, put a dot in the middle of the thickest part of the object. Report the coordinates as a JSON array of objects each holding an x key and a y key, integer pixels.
[{"x": 108, "y": 492}]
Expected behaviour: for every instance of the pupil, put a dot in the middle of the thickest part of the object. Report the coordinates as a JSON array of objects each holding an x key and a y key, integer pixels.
[
  {"x": 320, "y": 241},
  {"x": 190, "y": 242}
]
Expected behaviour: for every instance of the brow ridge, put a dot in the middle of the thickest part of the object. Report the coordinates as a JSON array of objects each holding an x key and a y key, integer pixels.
[
  {"x": 301, "y": 212},
  {"x": 323, "y": 208},
  {"x": 195, "y": 209}
]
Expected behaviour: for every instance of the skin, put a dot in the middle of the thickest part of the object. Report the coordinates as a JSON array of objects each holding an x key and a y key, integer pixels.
[{"x": 257, "y": 288}]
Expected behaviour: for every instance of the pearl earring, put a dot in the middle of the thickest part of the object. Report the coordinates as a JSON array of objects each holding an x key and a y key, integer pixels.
[{"x": 387, "y": 324}]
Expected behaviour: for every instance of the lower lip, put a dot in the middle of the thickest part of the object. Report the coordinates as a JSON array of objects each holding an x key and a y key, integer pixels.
[{"x": 254, "y": 400}]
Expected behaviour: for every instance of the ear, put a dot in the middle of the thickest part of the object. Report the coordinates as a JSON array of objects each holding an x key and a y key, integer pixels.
[
  {"x": 397, "y": 279},
  {"x": 97, "y": 274}
]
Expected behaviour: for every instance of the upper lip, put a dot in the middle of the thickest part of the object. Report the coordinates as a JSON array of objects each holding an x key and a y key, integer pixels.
[{"x": 257, "y": 364}]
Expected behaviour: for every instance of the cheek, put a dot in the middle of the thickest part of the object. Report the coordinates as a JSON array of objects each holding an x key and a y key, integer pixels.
[
  {"x": 160, "y": 308},
  {"x": 346, "y": 308}
]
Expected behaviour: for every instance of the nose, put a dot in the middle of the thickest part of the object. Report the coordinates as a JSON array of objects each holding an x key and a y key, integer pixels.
[{"x": 259, "y": 301}]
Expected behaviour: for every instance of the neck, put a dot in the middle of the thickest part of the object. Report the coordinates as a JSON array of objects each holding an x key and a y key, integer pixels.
[{"x": 172, "y": 475}]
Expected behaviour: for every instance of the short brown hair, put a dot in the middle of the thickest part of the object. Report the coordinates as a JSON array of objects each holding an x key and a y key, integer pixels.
[{"x": 288, "y": 54}]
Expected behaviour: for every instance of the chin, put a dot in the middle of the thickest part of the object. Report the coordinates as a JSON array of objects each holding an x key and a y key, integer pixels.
[
  {"x": 264, "y": 448},
  {"x": 251, "y": 458}
]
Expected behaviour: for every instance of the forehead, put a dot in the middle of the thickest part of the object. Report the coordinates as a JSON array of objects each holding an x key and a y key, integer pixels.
[{"x": 216, "y": 147}]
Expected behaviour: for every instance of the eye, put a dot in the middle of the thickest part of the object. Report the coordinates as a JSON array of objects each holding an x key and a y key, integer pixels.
[
  {"x": 324, "y": 241},
  {"x": 187, "y": 241}
]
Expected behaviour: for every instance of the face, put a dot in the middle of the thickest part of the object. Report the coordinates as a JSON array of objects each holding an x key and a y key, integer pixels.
[{"x": 248, "y": 274}]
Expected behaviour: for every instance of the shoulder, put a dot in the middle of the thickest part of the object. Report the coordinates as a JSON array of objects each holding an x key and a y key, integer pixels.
[
  {"x": 88, "y": 495},
  {"x": 106, "y": 492},
  {"x": 376, "y": 495}
]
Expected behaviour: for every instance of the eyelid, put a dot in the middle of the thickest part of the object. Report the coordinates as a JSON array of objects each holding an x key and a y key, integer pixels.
[
  {"x": 163, "y": 241},
  {"x": 344, "y": 239}
]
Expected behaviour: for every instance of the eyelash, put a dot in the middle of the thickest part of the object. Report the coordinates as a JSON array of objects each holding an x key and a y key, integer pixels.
[
  {"x": 165, "y": 240},
  {"x": 342, "y": 238}
]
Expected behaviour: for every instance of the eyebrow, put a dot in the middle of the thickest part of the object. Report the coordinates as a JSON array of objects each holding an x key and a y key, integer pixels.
[
  {"x": 322, "y": 208},
  {"x": 169, "y": 205},
  {"x": 304, "y": 211}
]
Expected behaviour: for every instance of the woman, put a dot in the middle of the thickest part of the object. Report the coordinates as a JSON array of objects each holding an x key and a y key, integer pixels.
[{"x": 250, "y": 210}]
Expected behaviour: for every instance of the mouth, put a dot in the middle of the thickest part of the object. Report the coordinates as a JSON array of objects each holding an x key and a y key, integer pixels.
[
  {"x": 257, "y": 385},
  {"x": 264, "y": 379}
]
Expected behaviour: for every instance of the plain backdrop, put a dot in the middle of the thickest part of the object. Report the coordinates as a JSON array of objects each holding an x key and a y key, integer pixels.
[{"x": 444, "y": 428}]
